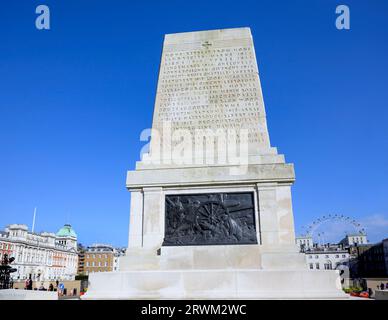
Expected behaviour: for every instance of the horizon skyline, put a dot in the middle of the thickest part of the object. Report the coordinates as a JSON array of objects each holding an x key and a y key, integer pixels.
[{"x": 333, "y": 234}]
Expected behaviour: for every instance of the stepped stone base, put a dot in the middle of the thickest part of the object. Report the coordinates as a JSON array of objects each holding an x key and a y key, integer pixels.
[{"x": 216, "y": 284}]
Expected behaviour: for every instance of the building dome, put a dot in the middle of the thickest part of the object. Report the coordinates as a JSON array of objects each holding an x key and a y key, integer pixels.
[{"x": 66, "y": 231}]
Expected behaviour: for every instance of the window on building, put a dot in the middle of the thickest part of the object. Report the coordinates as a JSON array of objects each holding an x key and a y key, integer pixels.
[
  {"x": 310, "y": 257},
  {"x": 317, "y": 266},
  {"x": 328, "y": 265},
  {"x": 316, "y": 257},
  {"x": 311, "y": 266},
  {"x": 337, "y": 255}
]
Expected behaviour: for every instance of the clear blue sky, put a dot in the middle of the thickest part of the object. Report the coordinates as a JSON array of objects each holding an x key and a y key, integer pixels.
[{"x": 74, "y": 99}]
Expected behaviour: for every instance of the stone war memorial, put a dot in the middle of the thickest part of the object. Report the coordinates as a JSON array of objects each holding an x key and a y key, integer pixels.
[{"x": 211, "y": 209}]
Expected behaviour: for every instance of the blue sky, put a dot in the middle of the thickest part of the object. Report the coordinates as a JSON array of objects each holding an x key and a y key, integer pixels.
[{"x": 74, "y": 99}]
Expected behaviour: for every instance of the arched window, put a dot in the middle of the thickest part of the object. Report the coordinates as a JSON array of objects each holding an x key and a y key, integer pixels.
[{"x": 328, "y": 265}]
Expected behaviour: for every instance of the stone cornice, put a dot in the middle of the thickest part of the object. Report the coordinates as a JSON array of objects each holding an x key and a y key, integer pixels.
[{"x": 217, "y": 175}]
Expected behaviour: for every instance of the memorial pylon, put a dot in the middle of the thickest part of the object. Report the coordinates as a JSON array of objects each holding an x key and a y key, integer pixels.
[{"x": 211, "y": 210}]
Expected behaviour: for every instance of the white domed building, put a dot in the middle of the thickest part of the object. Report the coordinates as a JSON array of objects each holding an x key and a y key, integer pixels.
[{"x": 42, "y": 256}]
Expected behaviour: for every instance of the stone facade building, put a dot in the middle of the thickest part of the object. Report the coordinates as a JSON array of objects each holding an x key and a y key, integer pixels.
[
  {"x": 354, "y": 239},
  {"x": 98, "y": 258},
  {"x": 304, "y": 242},
  {"x": 330, "y": 256},
  {"x": 364, "y": 260},
  {"x": 41, "y": 256},
  {"x": 370, "y": 260},
  {"x": 327, "y": 257}
]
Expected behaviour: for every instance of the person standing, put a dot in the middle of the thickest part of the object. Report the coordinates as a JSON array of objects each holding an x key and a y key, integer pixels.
[{"x": 29, "y": 283}]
